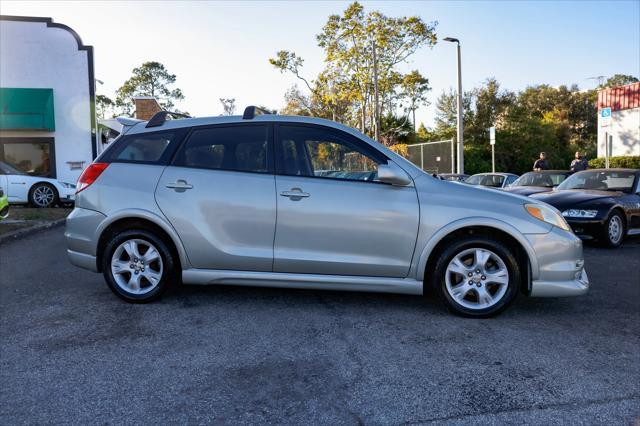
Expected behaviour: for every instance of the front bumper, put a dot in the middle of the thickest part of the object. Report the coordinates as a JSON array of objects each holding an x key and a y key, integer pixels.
[
  {"x": 586, "y": 229},
  {"x": 67, "y": 195},
  {"x": 560, "y": 265}
]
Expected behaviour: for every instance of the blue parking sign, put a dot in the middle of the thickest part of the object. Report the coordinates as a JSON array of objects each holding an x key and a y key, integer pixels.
[{"x": 605, "y": 112}]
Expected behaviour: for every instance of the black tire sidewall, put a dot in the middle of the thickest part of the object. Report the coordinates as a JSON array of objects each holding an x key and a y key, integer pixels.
[
  {"x": 56, "y": 196},
  {"x": 168, "y": 273},
  {"x": 501, "y": 250},
  {"x": 605, "y": 231}
]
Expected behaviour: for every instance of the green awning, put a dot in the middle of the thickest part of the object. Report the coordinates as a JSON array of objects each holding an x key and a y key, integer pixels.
[{"x": 26, "y": 109}]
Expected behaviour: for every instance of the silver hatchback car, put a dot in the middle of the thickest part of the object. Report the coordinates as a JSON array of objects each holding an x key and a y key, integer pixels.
[{"x": 299, "y": 202}]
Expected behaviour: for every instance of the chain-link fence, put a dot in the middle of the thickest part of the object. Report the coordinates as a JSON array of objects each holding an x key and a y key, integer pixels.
[{"x": 434, "y": 157}]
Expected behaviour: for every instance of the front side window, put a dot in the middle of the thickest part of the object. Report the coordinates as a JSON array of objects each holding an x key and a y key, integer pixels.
[
  {"x": 239, "y": 148},
  {"x": 317, "y": 152}
]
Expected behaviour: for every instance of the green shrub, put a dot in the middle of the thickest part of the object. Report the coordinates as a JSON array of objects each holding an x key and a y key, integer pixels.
[{"x": 616, "y": 162}]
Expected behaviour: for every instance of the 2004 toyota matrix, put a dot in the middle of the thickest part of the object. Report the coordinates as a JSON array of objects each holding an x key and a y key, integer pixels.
[{"x": 268, "y": 200}]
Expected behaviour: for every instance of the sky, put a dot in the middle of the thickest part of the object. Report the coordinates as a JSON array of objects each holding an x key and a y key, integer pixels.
[{"x": 221, "y": 49}]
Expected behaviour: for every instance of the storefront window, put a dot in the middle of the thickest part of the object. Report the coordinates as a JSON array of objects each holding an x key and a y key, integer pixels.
[{"x": 32, "y": 156}]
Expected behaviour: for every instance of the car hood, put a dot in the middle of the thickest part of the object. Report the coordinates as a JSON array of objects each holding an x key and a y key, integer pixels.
[
  {"x": 527, "y": 190},
  {"x": 577, "y": 198}
]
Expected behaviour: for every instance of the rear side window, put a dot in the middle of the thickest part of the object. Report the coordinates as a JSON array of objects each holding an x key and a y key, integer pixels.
[
  {"x": 147, "y": 148},
  {"x": 239, "y": 148}
]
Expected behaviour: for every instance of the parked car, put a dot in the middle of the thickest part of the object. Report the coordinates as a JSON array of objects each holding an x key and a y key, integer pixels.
[
  {"x": 492, "y": 180},
  {"x": 536, "y": 182},
  {"x": 38, "y": 191},
  {"x": 600, "y": 204},
  {"x": 246, "y": 201},
  {"x": 454, "y": 177},
  {"x": 4, "y": 205}
]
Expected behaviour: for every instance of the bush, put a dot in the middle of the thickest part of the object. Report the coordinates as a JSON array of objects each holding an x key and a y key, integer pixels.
[{"x": 615, "y": 162}]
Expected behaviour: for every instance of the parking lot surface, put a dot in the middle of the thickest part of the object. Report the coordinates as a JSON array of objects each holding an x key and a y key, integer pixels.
[{"x": 71, "y": 352}]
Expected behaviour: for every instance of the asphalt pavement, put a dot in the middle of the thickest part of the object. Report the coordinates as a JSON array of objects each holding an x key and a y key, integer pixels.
[{"x": 72, "y": 353}]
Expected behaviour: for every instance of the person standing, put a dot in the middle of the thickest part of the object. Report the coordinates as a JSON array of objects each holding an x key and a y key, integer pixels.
[
  {"x": 541, "y": 163},
  {"x": 579, "y": 163}
]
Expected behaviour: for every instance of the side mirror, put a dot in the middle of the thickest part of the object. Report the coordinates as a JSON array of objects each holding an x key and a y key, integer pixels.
[{"x": 393, "y": 174}]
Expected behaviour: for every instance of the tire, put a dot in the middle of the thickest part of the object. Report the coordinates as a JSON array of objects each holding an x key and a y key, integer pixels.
[
  {"x": 474, "y": 294},
  {"x": 135, "y": 273},
  {"x": 43, "y": 195},
  {"x": 613, "y": 231}
]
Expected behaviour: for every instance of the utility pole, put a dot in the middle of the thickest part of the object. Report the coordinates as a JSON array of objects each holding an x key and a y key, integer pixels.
[
  {"x": 376, "y": 110},
  {"x": 460, "y": 116}
]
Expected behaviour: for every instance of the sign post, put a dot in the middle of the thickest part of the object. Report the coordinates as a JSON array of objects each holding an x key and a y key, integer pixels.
[{"x": 492, "y": 141}]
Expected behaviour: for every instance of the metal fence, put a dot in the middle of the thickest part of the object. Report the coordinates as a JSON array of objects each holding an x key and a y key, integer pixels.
[{"x": 434, "y": 157}]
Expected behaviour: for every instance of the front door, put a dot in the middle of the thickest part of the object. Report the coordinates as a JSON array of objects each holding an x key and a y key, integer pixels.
[
  {"x": 334, "y": 216},
  {"x": 219, "y": 195}
]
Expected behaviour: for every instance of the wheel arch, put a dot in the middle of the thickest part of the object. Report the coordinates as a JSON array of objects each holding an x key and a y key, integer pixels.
[
  {"x": 486, "y": 227},
  {"x": 139, "y": 219}
]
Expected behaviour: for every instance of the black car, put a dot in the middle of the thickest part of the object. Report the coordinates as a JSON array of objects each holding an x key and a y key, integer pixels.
[
  {"x": 600, "y": 204},
  {"x": 536, "y": 182}
]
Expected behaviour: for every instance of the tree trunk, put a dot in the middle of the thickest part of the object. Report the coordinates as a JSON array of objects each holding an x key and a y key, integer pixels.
[{"x": 376, "y": 109}]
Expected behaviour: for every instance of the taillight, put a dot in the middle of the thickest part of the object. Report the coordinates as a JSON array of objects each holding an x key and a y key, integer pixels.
[{"x": 90, "y": 175}]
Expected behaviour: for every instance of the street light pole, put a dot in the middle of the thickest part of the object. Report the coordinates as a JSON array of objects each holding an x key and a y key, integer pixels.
[{"x": 460, "y": 118}]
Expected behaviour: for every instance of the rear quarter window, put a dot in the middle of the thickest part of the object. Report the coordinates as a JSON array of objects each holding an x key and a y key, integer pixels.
[{"x": 145, "y": 148}]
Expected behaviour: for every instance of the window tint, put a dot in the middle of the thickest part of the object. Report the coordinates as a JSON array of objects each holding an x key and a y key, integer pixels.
[
  {"x": 312, "y": 151},
  {"x": 143, "y": 148},
  {"x": 242, "y": 148}
]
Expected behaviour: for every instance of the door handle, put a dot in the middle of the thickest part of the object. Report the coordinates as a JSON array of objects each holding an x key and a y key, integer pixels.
[
  {"x": 295, "y": 194},
  {"x": 179, "y": 185}
]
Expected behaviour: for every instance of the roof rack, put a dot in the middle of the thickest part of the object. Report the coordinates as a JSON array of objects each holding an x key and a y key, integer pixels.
[
  {"x": 159, "y": 118},
  {"x": 251, "y": 111}
]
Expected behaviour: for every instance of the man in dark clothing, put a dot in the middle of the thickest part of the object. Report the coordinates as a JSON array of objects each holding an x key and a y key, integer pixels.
[
  {"x": 541, "y": 163},
  {"x": 580, "y": 163}
]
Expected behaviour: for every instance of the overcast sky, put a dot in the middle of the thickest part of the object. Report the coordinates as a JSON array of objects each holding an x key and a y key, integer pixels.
[{"x": 221, "y": 49}]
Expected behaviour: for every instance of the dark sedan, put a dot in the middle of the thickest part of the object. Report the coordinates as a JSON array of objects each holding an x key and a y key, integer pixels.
[
  {"x": 600, "y": 204},
  {"x": 536, "y": 182}
]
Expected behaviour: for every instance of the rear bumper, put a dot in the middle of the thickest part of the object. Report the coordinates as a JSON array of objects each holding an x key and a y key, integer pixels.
[
  {"x": 82, "y": 260},
  {"x": 82, "y": 238}
]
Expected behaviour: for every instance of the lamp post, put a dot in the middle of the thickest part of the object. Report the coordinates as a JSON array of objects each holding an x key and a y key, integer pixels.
[{"x": 460, "y": 122}]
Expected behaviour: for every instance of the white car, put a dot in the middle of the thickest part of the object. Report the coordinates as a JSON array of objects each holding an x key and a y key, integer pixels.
[{"x": 36, "y": 190}]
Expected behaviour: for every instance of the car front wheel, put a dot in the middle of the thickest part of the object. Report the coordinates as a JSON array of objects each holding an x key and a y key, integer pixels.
[
  {"x": 138, "y": 266},
  {"x": 43, "y": 195},
  {"x": 477, "y": 277},
  {"x": 614, "y": 230}
]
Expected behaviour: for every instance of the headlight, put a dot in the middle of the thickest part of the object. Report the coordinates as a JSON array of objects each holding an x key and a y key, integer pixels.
[
  {"x": 590, "y": 214},
  {"x": 68, "y": 185},
  {"x": 547, "y": 214}
]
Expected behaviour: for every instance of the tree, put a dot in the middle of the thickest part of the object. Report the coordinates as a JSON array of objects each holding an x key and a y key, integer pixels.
[
  {"x": 228, "y": 105},
  {"x": 149, "y": 79},
  {"x": 360, "y": 82},
  {"x": 414, "y": 89},
  {"x": 619, "y": 80},
  {"x": 104, "y": 106}
]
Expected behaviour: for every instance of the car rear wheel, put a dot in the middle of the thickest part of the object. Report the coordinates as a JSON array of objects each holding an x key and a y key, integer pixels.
[
  {"x": 138, "y": 266},
  {"x": 477, "y": 277},
  {"x": 614, "y": 230},
  {"x": 43, "y": 195}
]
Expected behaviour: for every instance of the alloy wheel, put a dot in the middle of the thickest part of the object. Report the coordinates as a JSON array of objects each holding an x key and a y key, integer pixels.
[
  {"x": 615, "y": 229},
  {"x": 43, "y": 196},
  {"x": 477, "y": 278},
  {"x": 136, "y": 266}
]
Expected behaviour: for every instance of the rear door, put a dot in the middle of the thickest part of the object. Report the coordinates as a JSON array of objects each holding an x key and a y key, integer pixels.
[
  {"x": 334, "y": 216},
  {"x": 219, "y": 194}
]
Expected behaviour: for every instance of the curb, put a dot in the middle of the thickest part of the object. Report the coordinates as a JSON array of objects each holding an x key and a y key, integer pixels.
[{"x": 12, "y": 236}]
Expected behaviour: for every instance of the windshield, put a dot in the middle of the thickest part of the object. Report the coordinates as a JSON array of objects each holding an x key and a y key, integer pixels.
[
  {"x": 603, "y": 180},
  {"x": 548, "y": 180},
  {"x": 486, "y": 180},
  {"x": 7, "y": 169}
]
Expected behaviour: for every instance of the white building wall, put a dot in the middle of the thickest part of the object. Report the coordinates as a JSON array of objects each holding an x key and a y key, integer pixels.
[
  {"x": 625, "y": 129},
  {"x": 33, "y": 55}
]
